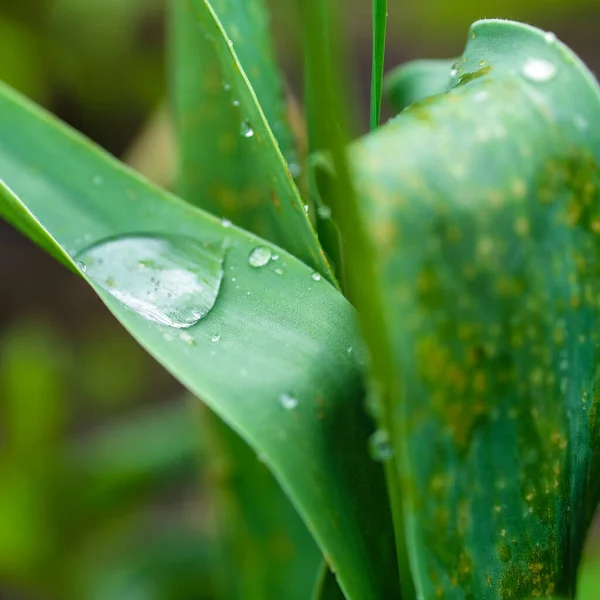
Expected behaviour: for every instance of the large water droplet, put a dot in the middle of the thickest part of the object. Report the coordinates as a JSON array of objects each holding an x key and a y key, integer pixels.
[
  {"x": 246, "y": 129},
  {"x": 259, "y": 257},
  {"x": 288, "y": 401},
  {"x": 169, "y": 280},
  {"x": 538, "y": 70},
  {"x": 380, "y": 447}
]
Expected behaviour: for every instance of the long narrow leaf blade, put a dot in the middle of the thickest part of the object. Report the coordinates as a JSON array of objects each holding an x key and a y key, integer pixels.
[
  {"x": 254, "y": 181},
  {"x": 259, "y": 535},
  {"x": 379, "y": 32},
  {"x": 277, "y": 356}
]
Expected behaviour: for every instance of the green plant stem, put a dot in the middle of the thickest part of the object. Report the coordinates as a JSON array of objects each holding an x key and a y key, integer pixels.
[
  {"x": 359, "y": 279},
  {"x": 379, "y": 30}
]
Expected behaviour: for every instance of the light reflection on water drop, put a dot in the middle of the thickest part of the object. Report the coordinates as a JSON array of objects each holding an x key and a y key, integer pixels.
[
  {"x": 259, "y": 257},
  {"x": 177, "y": 285}
]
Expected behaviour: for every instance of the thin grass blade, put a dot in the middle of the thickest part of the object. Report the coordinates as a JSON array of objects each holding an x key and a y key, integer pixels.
[{"x": 379, "y": 34}]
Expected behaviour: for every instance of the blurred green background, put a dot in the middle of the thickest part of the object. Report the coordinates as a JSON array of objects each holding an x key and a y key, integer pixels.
[{"x": 101, "y": 491}]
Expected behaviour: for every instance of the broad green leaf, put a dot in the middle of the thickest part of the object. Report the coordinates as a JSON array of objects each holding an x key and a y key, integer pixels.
[
  {"x": 277, "y": 355},
  {"x": 415, "y": 81},
  {"x": 379, "y": 27},
  {"x": 259, "y": 534},
  {"x": 231, "y": 161},
  {"x": 483, "y": 206},
  {"x": 327, "y": 587}
]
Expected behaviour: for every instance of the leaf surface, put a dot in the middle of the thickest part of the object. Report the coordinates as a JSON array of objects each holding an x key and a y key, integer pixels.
[
  {"x": 277, "y": 356},
  {"x": 483, "y": 205},
  {"x": 415, "y": 81},
  {"x": 232, "y": 126}
]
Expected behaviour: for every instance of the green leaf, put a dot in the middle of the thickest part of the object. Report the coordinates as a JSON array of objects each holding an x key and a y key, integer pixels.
[
  {"x": 327, "y": 587},
  {"x": 270, "y": 335},
  {"x": 231, "y": 162},
  {"x": 483, "y": 204},
  {"x": 415, "y": 81},
  {"x": 379, "y": 27},
  {"x": 259, "y": 534}
]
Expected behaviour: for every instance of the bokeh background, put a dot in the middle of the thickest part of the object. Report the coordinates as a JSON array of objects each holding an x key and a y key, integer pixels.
[{"x": 100, "y": 493}]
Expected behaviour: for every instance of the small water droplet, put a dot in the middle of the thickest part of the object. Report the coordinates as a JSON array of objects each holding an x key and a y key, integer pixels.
[
  {"x": 324, "y": 212},
  {"x": 380, "y": 447},
  {"x": 81, "y": 266},
  {"x": 455, "y": 68},
  {"x": 236, "y": 103},
  {"x": 225, "y": 222},
  {"x": 259, "y": 257},
  {"x": 288, "y": 401},
  {"x": 349, "y": 349},
  {"x": 279, "y": 271},
  {"x": 168, "y": 337},
  {"x": 306, "y": 207},
  {"x": 538, "y": 70},
  {"x": 550, "y": 37},
  {"x": 247, "y": 130},
  {"x": 226, "y": 86},
  {"x": 275, "y": 257},
  {"x": 230, "y": 43},
  {"x": 295, "y": 169},
  {"x": 215, "y": 337},
  {"x": 187, "y": 338},
  {"x": 316, "y": 276},
  {"x": 177, "y": 286},
  {"x": 482, "y": 63}
]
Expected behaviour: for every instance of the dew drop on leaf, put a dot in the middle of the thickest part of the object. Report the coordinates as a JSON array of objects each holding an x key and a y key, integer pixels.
[
  {"x": 81, "y": 266},
  {"x": 215, "y": 337},
  {"x": 538, "y": 70},
  {"x": 177, "y": 286},
  {"x": 247, "y": 130},
  {"x": 324, "y": 212},
  {"x": 380, "y": 447},
  {"x": 288, "y": 401},
  {"x": 279, "y": 271},
  {"x": 259, "y": 257},
  {"x": 187, "y": 338},
  {"x": 316, "y": 276},
  {"x": 295, "y": 169}
]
